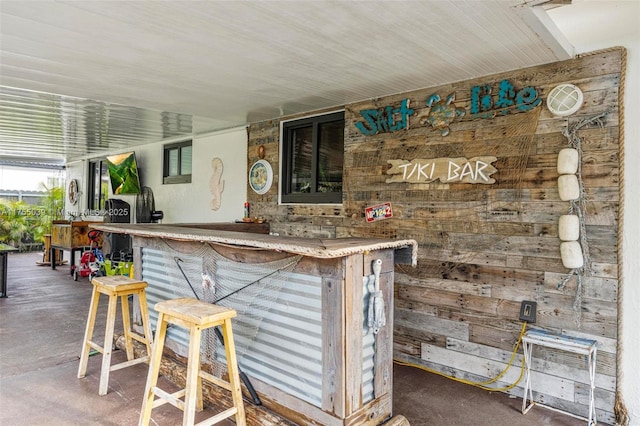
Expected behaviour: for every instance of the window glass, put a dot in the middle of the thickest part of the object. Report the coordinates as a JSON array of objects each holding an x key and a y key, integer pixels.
[
  {"x": 173, "y": 162},
  {"x": 185, "y": 160},
  {"x": 312, "y": 162},
  {"x": 177, "y": 162},
  {"x": 98, "y": 184},
  {"x": 330, "y": 156},
  {"x": 301, "y": 159}
]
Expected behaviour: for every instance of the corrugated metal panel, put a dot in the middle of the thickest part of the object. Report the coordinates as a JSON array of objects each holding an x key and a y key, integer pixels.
[
  {"x": 280, "y": 343},
  {"x": 279, "y": 340},
  {"x": 166, "y": 282},
  {"x": 286, "y": 350},
  {"x": 42, "y": 126}
]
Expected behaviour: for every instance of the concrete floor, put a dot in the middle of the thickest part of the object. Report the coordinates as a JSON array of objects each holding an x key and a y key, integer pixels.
[{"x": 41, "y": 330}]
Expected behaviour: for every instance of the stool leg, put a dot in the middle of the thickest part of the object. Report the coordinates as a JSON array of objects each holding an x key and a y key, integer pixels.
[
  {"x": 193, "y": 369},
  {"x": 527, "y": 351},
  {"x": 126, "y": 323},
  {"x": 154, "y": 370},
  {"x": 88, "y": 333},
  {"x": 146, "y": 325},
  {"x": 234, "y": 376},
  {"x": 593, "y": 418},
  {"x": 108, "y": 345}
]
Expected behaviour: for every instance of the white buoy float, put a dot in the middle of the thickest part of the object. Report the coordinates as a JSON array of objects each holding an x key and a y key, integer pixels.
[
  {"x": 568, "y": 161},
  {"x": 569, "y": 227},
  {"x": 568, "y": 187},
  {"x": 571, "y": 254}
]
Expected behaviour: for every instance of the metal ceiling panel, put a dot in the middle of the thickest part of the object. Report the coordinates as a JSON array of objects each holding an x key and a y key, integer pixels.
[
  {"x": 80, "y": 77},
  {"x": 33, "y": 125}
]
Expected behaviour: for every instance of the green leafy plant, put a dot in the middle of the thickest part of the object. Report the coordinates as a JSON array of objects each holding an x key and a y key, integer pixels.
[
  {"x": 14, "y": 223},
  {"x": 22, "y": 224},
  {"x": 52, "y": 208}
]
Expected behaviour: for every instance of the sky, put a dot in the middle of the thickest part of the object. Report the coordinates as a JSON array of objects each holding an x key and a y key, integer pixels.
[{"x": 26, "y": 179}]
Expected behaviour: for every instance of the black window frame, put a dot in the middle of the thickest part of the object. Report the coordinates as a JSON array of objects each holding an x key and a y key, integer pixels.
[
  {"x": 180, "y": 177},
  {"x": 314, "y": 197},
  {"x": 98, "y": 186}
]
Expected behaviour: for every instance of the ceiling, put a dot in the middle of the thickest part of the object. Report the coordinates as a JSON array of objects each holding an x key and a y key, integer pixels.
[{"x": 82, "y": 78}]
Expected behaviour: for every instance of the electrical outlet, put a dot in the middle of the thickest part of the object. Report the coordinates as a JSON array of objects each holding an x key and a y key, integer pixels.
[{"x": 528, "y": 311}]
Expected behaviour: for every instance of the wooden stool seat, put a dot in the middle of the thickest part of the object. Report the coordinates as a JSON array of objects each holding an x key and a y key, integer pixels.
[
  {"x": 195, "y": 316},
  {"x": 115, "y": 287},
  {"x": 193, "y": 311}
]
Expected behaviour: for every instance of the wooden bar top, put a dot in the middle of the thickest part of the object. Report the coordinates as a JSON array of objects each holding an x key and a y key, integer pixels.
[{"x": 324, "y": 248}]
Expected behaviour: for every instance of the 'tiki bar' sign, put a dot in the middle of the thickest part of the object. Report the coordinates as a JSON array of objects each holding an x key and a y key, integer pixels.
[
  {"x": 483, "y": 104},
  {"x": 448, "y": 170}
]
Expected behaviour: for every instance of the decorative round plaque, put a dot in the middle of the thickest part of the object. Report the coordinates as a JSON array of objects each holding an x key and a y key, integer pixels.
[
  {"x": 73, "y": 192},
  {"x": 261, "y": 176}
]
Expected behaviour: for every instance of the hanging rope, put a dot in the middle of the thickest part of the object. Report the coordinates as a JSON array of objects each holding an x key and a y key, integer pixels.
[
  {"x": 622, "y": 417},
  {"x": 578, "y": 207}
]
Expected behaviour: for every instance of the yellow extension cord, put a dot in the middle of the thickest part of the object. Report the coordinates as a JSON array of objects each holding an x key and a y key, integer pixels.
[{"x": 481, "y": 385}]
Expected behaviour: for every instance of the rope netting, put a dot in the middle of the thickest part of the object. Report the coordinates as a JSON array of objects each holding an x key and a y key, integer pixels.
[
  {"x": 252, "y": 289},
  {"x": 579, "y": 208},
  {"x": 441, "y": 209}
]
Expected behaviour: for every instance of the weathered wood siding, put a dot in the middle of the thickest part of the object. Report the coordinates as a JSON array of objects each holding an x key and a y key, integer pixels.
[{"x": 485, "y": 248}]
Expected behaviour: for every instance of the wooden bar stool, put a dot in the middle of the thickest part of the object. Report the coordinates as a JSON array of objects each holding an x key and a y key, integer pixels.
[
  {"x": 115, "y": 286},
  {"x": 195, "y": 316}
]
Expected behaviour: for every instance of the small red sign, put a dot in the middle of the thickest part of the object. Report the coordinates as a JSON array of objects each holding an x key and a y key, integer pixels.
[{"x": 379, "y": 212}]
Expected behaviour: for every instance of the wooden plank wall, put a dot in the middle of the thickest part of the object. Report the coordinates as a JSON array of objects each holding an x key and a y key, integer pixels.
[{"x": 486, "y": 248}]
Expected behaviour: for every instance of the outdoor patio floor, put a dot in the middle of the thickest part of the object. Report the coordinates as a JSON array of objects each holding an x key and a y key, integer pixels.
[{"x": 41, "y": 330}]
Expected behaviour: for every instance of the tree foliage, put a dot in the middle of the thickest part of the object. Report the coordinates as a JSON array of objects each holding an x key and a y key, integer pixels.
[{"x": 22, "y": 223}]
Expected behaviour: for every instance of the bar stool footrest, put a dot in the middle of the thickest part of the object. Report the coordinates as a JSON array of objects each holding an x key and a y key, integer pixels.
[
  {"x": 165, "y": 397},
  {"x": 125, "y": 364},
  {"x": 139, "y": 338},
  {"x": 216, "y": 381},
  {"x": 95, "y": 346},
  {"x": 218, "y": 417}
]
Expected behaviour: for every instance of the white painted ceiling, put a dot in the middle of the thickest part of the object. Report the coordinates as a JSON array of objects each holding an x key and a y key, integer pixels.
[{"x": 80, "y": 78}]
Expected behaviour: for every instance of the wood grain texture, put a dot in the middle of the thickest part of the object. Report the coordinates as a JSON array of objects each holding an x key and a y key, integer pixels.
[{"x": 485, "y": 248}]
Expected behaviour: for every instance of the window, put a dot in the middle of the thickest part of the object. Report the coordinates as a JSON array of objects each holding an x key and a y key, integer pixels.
[
  {"x": 313, "y": 153},
  {"x": 177, "y": 163},
  {"x": 98, "y": 184}
]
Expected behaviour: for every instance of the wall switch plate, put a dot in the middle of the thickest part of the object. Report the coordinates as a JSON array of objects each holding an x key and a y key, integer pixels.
[{"x": 528, "y": 311}]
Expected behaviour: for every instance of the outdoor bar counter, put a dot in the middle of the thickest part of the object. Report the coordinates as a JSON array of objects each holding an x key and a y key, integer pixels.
[{"x": 314, "y": 331}]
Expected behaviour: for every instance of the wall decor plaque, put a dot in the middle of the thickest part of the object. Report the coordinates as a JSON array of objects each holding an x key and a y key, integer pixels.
[
  {"x": 261, "y": 176},
  {"x": 73, "y": 192},
  {"x": 378, "y": 212}
]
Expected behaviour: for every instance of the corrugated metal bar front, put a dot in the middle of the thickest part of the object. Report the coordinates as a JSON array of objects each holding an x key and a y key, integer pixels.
[
  {"x": 278, "y": 340},
  {"x": 166, "y": 282},
  {"x": 281, "y": 342}
]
